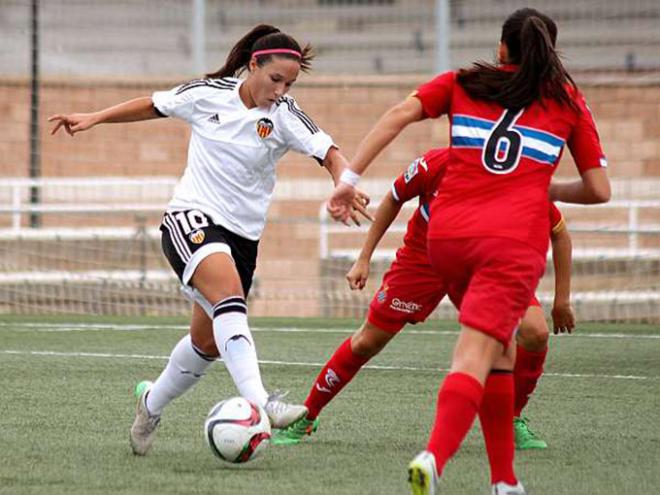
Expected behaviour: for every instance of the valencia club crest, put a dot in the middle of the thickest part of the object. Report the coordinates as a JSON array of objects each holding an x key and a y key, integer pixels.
[
  {"x": 197, "y": 236},
  {"x": 264, "y": 128}
]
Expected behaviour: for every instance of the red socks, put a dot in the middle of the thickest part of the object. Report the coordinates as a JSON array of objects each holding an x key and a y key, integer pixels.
[
  {"x": 496, "y": 417},
  {"x": 526, "y": 373},
  {"x": 458, "y": 402},
  {"x": 335, "y": 375}
]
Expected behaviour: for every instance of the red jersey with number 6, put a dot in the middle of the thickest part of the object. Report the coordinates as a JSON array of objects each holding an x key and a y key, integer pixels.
[{"x": 501, "y": 162}]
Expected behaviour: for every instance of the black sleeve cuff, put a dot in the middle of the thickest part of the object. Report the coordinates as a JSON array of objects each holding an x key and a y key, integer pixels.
[
  {"x": 320, "y": 160},
  {"x": 158, "y": 112}
]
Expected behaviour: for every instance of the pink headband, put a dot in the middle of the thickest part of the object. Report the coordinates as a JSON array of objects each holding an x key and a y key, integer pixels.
[{"x": 274, "y": 51}]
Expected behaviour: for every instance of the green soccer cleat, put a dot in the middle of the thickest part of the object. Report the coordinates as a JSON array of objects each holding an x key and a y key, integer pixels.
[
  {"x": 294, "y": 433},
  {"x": 141, "y": 388},
  {"x": 526, "y": 439}
]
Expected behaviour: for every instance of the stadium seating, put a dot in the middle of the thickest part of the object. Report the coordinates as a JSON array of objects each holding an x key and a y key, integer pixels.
[{"x": 398, "y": 37}]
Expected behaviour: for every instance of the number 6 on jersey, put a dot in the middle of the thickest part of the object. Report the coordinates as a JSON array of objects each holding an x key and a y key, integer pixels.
[{"x": 501, "y": 154}]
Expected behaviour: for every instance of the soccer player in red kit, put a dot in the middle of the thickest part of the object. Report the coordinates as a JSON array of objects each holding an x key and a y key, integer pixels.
[
  {"x": 508, "y": 127},
  {"x": 411, "y": 290}
]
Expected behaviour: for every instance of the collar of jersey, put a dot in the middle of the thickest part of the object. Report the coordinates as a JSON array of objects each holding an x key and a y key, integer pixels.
[{"x": 253, "y": 109}]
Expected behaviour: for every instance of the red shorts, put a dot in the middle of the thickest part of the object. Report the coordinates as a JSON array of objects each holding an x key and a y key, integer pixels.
[
  {"x": 493, "y": 279},
  {"x": 534, "y": 301},
  {"x": 410, "y": 291}
]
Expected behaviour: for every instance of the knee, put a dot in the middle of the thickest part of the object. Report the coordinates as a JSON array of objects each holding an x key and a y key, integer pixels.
[
  {"x": 369, "y": 343},
  {"x": 364, "y": 347},
  {"x": 534, "y": 337}
]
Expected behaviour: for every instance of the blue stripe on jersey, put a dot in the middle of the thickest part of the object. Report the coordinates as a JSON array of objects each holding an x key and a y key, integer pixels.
[
  {"x": 539, "y": 156},
  {"x": 540, "y": 135},
  {"x": 465, "y": 142},
  {"x": 472, "y": 122},
  {"x": 471, "y": 132}
]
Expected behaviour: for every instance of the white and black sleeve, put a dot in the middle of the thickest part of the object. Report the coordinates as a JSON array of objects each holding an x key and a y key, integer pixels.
[{"x": 303, "y": 135}]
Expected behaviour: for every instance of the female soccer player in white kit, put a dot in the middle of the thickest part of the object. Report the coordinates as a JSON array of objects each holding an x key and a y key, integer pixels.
[{"x": 240, "y": 129}]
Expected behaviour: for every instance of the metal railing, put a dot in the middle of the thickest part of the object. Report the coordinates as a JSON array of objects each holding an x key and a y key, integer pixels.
[
  {"x": 633, "y": 228},
  {"x": 150, "y": 195},
  {"x": 80, "y": 195}
]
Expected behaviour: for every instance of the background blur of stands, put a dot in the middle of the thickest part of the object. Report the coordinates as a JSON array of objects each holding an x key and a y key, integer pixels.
[
  {"x": 82, "y": 236},
  {"x": 156, "y": 37}
]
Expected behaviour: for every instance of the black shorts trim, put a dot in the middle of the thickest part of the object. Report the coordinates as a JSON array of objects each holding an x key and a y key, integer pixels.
[{"x": 185, "y": 232}]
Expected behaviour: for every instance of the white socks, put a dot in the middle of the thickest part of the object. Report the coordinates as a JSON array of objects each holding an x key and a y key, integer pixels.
[
  {"x": 184, "y": 369},
  {"x": 187, "y": 364},
  {"x": 236, "y": 346}
]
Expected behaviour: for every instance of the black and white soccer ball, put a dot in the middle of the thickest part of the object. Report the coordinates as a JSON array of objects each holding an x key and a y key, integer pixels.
[{"x": 237, "y": 430}]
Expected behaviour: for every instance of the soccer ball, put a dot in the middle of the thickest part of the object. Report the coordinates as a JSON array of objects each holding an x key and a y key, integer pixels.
[{"x": 237, "y": 430}]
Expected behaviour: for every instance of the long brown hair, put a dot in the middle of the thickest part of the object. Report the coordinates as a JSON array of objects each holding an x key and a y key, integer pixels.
[
  {"x": 262, "y": 37},
  {"x": 530, "y": 38}
]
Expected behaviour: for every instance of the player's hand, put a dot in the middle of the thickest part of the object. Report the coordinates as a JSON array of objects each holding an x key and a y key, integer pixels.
[
  {"x": 340, "y": 204},
  {"x": 72, "y": 123},
  {"x": 563, "y": 318},
  {"x": 360, "y": 203},
  {"x": 358, "y": 274}
]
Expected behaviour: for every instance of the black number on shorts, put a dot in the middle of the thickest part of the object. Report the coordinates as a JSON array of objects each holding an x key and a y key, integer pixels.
[
  {"x": 504, "y": 144},
  {"x": 191, "y": 220}
]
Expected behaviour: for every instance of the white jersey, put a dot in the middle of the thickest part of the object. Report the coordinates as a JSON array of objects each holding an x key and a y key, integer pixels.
[{"x": 233, "y": 150}]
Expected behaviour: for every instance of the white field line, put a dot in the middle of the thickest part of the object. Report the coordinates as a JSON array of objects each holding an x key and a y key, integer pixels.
[
  {"x": 90, "y": 327},
  {"x": 103, "y": 355}
]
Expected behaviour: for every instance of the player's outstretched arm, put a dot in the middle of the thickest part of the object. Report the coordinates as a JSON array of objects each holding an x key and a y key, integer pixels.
[
  {"x": 563, "y": 318},
  {"x": 387, "y": 211},
  {"x": 128, "y": 111},
  {"x": 388, "y": 127},
  {"x": 593, "y": 188},
  {"x": 336, "y": 163}
]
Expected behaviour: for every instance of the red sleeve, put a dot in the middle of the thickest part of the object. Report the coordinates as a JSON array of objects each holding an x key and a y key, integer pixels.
[
  {"x": 412, "y": 182},
  {"x": 439, "y": 155},
  {"x": 584, "y": 142},
  {"x": 557, "y": 222},
  {"x": 437, "y": 160},
  {"x": 435, "y": 94}
]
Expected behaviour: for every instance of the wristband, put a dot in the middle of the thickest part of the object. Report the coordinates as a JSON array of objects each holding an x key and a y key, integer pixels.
[{"x": 349, "y": 177}]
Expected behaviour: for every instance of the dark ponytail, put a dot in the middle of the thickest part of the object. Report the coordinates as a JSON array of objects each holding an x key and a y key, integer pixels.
[
  {"x": 530, "y": 38},
  {"x": 262, "y": 37}
]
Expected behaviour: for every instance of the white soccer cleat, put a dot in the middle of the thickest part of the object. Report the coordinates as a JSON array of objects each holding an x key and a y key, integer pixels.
[
  {"x": 422, "y": 474},
  {"x": 502, "y": 488},
  {"x": 144, "y": 427},
  {"x": 282, "y": 414}
]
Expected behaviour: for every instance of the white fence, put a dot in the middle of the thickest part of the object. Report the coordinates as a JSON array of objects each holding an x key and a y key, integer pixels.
[
  {"x": 82, "y": 195},
  {"x": 612, "y": 281},
  {"x": 115, "y": 195},
  {"x": 99, "y": 251},
  {"x": 632, "y": 228}
]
